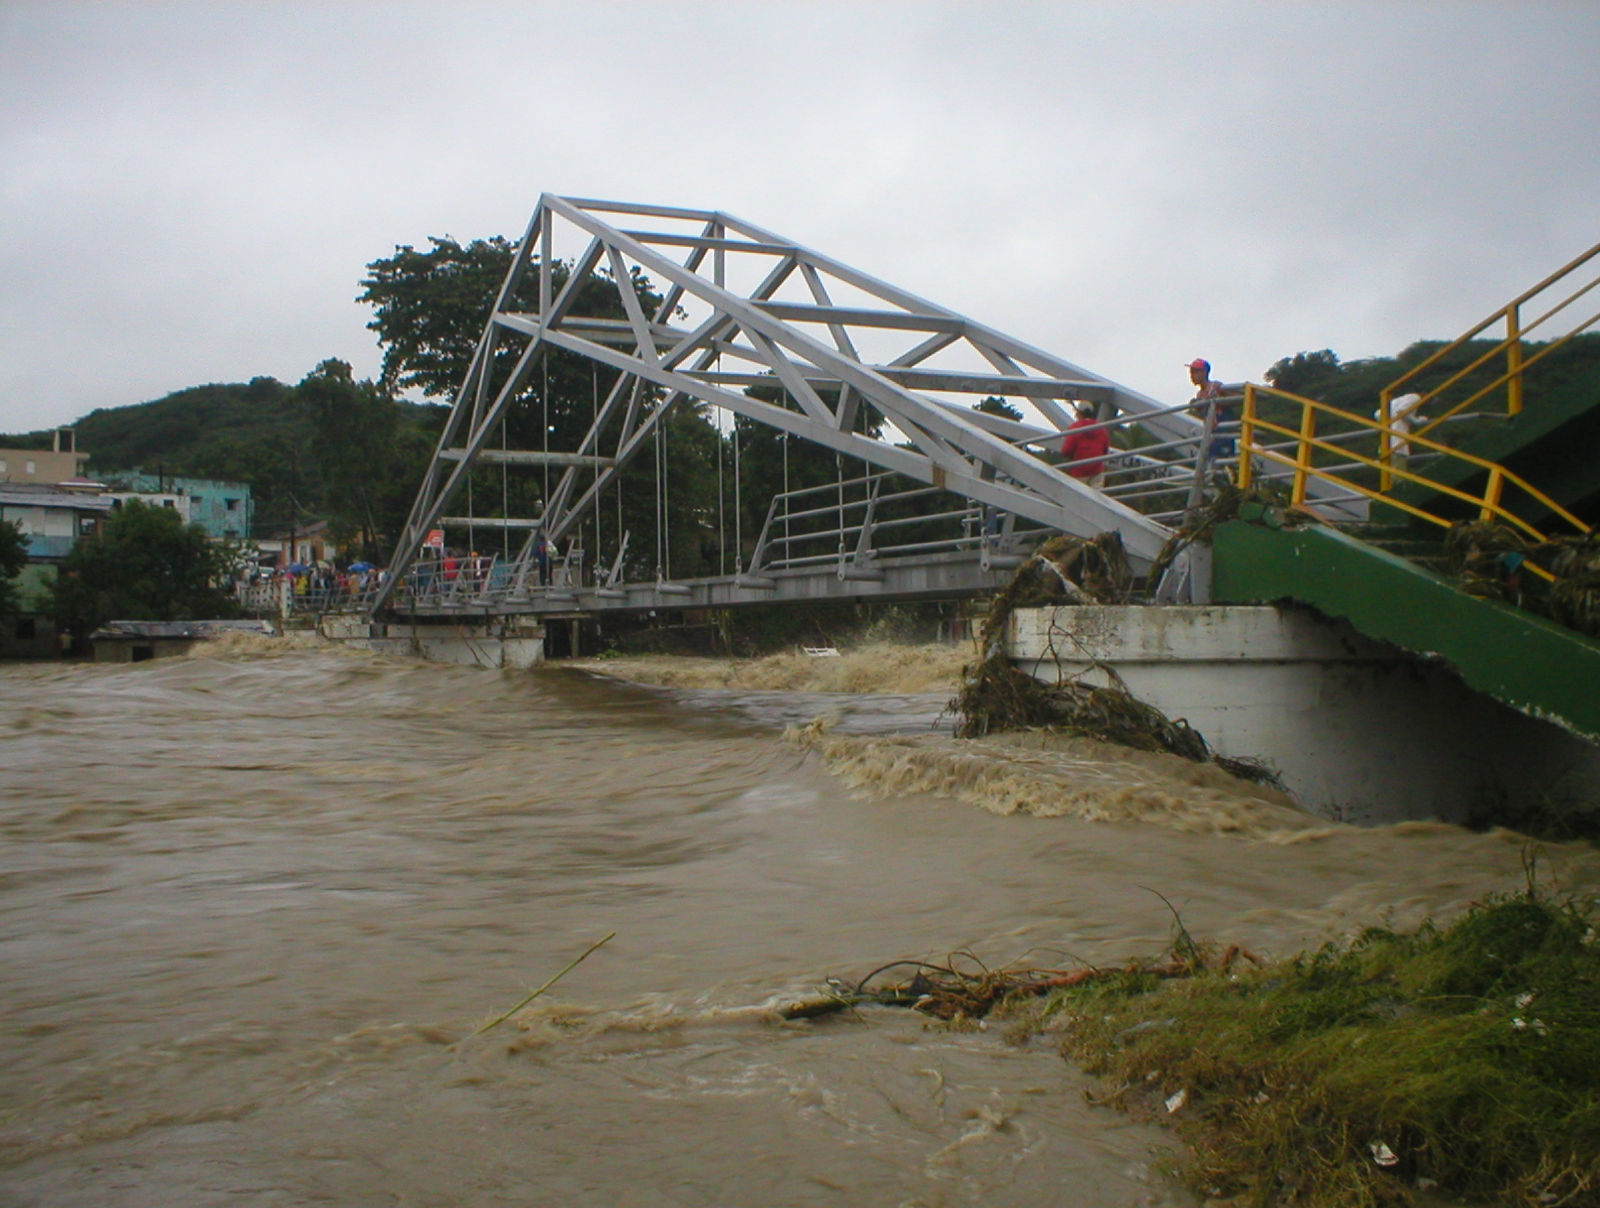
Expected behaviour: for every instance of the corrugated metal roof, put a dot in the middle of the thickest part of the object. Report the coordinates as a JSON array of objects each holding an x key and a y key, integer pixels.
[
  {"x": 177, "y": 629},
  {"x": 22, "y": 495}
]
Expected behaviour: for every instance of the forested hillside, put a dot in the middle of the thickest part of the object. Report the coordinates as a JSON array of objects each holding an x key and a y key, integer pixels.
[
  {"x": 329, "y": 448},
  {"x": 1460, "y": 374},
  {"x": 211, "y": 431}
]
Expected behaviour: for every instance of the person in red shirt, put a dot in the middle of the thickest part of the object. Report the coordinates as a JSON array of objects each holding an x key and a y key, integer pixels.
[{"x": 1087, "y": 448}]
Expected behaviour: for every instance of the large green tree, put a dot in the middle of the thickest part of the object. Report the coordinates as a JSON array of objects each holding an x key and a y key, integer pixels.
[
  {"x": 355, "y": 426},
  {"x": 994, "y": 405},
  {"x": 430, "y": 308},
  {"x": 145, "y": 564},
  {"x": 1299, "y": 373}
]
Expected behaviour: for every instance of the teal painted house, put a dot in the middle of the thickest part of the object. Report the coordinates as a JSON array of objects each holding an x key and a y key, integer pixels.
[{"x": 223, "y": 509}]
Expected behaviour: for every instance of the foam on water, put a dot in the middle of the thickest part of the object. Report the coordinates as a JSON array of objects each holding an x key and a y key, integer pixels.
[
  {"x": 880, "y": 667},
  {"x": 1051, "y": 776}
]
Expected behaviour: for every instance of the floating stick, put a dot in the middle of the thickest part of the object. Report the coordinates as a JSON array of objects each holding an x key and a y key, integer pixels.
[{"x": 573, "y": 964}]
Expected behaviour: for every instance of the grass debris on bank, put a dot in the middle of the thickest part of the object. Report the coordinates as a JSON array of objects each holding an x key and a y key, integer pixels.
[
  {"x": 963, "y": 989},
  {"x": 1452, "y": 1061},
  {"x": 1464, "y": 1059}
]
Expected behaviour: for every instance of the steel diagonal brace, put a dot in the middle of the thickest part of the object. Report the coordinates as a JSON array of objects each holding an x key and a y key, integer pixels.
[
  {"x": 646, "y": 341},
  {"x": 1090, "y": 505},
  {"x": 907, "y": 411},
  {"x": 792, "y": 380},
  {"x": 896, "y": 403},
  {"x": 425, "y": 517},
  {"x": 819, "y": 291}
]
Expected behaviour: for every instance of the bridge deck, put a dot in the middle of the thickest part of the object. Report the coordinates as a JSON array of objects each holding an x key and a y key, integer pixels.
[{"x": 948, "y": 575}]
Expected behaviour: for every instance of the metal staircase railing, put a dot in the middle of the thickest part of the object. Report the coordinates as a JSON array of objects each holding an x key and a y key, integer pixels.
[
  {"x": 1517, "y": 362},
  {"x": 1306, "y": 457},
  {"x": 1307, "y": 452}
]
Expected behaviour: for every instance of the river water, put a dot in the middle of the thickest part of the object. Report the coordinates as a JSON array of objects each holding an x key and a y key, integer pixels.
[{"x": 254, "y": 906}]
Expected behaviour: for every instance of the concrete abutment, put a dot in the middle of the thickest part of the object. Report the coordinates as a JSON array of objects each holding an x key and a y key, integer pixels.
[
  {"x": 1358, "y": 730},
  {"x": 502, "y": 642}
]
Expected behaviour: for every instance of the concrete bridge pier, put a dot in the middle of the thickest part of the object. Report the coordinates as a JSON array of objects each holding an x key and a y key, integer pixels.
[
  {"x": 1358, "y": 730},
  {"x": 500, "y": 642}
]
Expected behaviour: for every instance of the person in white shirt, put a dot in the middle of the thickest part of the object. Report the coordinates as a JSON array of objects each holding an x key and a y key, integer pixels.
[{"x": 1402, "y": 421}]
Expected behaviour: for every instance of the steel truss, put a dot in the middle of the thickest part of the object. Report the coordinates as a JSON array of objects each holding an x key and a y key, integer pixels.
[{"x": 798, "y": 328}]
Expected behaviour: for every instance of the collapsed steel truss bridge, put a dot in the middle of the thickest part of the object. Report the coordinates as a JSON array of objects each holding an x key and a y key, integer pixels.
[{"x": 744, "y": 308}]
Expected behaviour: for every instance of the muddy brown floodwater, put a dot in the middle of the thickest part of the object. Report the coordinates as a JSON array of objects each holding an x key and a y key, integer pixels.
[{"x": 254, "y": 905}]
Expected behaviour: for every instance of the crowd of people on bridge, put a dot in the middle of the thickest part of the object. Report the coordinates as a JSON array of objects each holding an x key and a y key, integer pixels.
[
  {"x": 327, "y": 587},
  {"x": 322, "y": 586}
]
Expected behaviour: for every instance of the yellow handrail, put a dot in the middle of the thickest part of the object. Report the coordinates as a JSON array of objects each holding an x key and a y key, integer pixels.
[
  {"x": 1511, "y": 378},
  {"x": 1510, "y": 346},
  {"x": 1307, "y": 444}
]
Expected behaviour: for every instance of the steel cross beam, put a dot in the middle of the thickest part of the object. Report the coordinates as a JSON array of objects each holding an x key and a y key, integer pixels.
[{"x": 785, "y": 330}]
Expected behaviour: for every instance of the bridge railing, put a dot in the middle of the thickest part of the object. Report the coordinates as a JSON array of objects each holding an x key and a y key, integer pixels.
[
  {"x": 1467, "y": 387},
  {"x": 287, "y": 597},
  {"x": 1299, "y": 452},
  {"x": 431, "y": 583},
  {"x": 852, "y": 522}
]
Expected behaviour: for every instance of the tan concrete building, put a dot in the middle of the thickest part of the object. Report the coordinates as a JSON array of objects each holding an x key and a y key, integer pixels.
[{"x": 44, "y": 467}]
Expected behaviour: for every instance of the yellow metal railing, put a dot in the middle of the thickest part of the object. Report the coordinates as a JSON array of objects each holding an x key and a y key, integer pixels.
[
  {"x": 1306, "y": 445},
  {"x": 1511, "y": 347}
]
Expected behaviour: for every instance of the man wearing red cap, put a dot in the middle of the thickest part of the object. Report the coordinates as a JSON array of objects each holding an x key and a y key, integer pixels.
[{"x": 1208, "y": 404}]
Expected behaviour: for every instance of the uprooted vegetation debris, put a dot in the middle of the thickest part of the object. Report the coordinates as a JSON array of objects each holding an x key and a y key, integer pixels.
[
  {"x": 1575, "y": 595},
  {"x": 1489, "y": 560},
  {"x": 1459, "y": 1060},
  {"x": 963, "y": 990},
  {"x": 996, "y": 696}
]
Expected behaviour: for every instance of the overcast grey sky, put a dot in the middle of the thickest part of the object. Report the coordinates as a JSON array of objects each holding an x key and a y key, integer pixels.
[{"x": 189, "y": 192}]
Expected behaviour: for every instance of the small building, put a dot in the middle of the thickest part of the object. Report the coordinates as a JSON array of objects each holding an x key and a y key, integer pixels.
[
  {"x": 306, "y": 544},
  {"x": 225, "y": 510},
  {"x": 51, "y": 519},
  {"x": 44, "y": 467},
  {"x": 169, "y": 500},
  {"x": 137, "y": 641}
]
